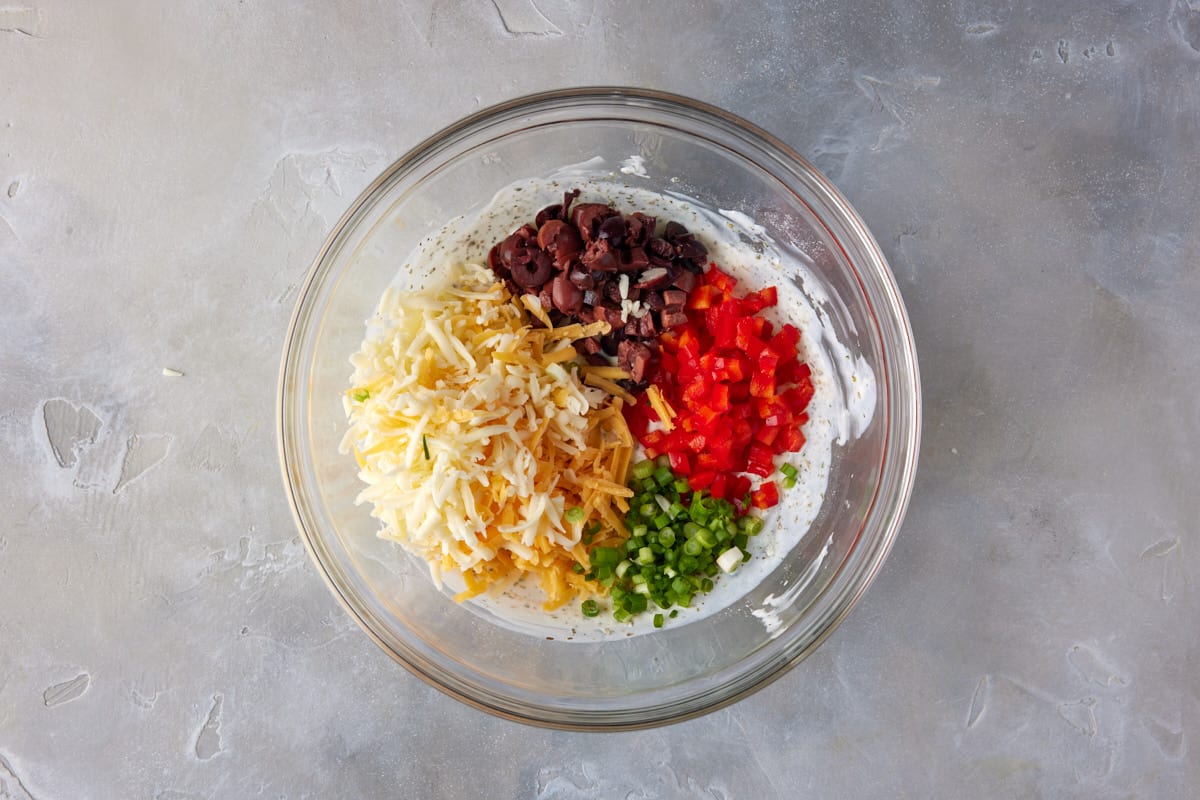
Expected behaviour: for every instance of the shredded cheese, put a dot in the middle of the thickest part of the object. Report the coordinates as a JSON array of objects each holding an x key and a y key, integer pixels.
[
  {"x": 474, "y": 439},
  {"x": 666, "y": 414}
]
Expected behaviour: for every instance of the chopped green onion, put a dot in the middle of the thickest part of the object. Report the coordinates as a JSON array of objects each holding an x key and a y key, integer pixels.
[
  {"x": 425, "y": 446},
  {"x": 606, "y": 555},
  {"x": 574, "y": 514},
  {"x": 729, "y": 559},
  {"x": 642, "y": 470},
  {"x": 590, "y": 608},
  {"x": 789, "y": 470},
  {"x": 679, "y": 542},
  {"x": 658, "y": 620},
  {"x": 361, "y": 395},
  {"x": 788, "y": 482}
]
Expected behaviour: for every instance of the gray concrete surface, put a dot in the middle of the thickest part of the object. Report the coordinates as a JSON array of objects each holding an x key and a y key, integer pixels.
[{"x": 167, "y": 172}]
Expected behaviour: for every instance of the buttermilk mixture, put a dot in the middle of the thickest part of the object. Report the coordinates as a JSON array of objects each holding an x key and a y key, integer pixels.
[{"x": 606, "y": 411}]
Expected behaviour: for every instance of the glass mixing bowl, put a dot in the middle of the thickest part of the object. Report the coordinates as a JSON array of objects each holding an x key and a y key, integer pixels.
[{"x": 679, "y": 671}]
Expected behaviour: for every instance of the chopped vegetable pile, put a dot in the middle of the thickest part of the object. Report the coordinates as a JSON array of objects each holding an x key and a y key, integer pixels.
[
  {"x": 495, "y": 419},
  {"x": 730, "y": 396}
]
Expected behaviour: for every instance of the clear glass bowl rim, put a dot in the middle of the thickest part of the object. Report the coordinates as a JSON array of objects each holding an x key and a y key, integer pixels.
[{"x": 902, "y": 409}]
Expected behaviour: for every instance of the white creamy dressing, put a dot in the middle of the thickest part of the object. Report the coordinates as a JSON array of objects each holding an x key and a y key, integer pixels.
[{"x": 841, "y": 407}]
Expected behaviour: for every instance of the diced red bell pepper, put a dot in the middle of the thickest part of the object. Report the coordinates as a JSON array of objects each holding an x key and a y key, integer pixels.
[
  {"x": 765, "y": 496},
  {"x": 784, "y": 342},
  {"x": 708, "y": 417},
  {"x": 749, "y": 336},
  {"x": 729, "y": 368},
  {"x": 679, "y": 462},
  {"x": 703, "y": 297},
  {"x": 720, "y": 279},
  {"x": 742, "y": 433},
  {"x": 762, "y": 384},
  {"x": 760, "y": 460},
  {"x": 797, "y": 397},
  {"x": 719, "y": 397},
  {"x": 767, "y": 434},
  {"x": 725, "y": 326},
  {"x": 638, "y": 419},
  {"x": 757, "y": 301},
  {"x": 738, "y": 388},
  {"x": 792, "y": 439},
  {"x": 718, "y": 485}
]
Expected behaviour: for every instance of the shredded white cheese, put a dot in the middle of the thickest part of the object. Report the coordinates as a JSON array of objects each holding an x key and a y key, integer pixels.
[{"x": 445, "y": 409}]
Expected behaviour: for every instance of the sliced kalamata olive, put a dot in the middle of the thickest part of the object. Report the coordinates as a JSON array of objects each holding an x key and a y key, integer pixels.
[
  {"x": 613, "y": 315},
  {"x": 636, "y": 261},
  {"x": 560, "y": 240},
  {"x": 612, "y": 228},
  {"x": 534, "y": 272},
  {"x": 612, "y": 292},
  {"x": 673, "y": 230},
  {"x": 653, "y": 278},
  {"x": 548, "y": 213},
  {"x": 661, "y": 248},
  {"x": 495, "y": 263},
  {"x": 546, "y": 298},
  {"x": 675, "y": 297},
  {"x": 559, "y": 211},
  {"x": 547, "y": 231},
  {"x": 630, "y": 329},
  {"x": 691, "y": 249},
  {"x": 513, "y": 249},
  {"x": 670, "y": 319},
  {"x": 599, "y": 256},
  {"x": 588, "y": 216},
  {"x": 609, "y": 342},
  {"x": 581, "y": 278},
  {"x": 646, "y": 329},
  {"x": 684, "y": 281},
  {"x": 568, "y": 198},
  {"x": 567, "y": 297},
  {"x": 640, "y": 227},
  {"x": 654, "y": 300},
  {"x": 633, "y": 357},
  {"x": 566, "y": 245}
]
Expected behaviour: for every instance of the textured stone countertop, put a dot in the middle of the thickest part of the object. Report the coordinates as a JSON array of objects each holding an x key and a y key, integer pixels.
[{"x": 167, "y": 173}]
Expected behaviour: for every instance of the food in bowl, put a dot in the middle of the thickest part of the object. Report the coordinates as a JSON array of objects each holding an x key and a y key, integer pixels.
[
  {"x": 504, "y": 653},
  {"x": 506, "y": 418}
]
